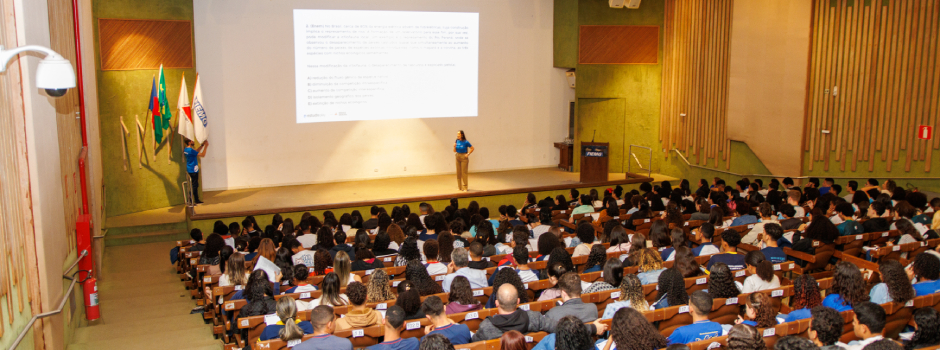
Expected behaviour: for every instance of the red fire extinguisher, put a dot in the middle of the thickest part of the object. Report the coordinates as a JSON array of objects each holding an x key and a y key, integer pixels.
[{"x": 90, "y": 289}]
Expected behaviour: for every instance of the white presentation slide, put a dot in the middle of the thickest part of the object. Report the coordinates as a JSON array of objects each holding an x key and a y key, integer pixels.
[{"x": 372, "y": 65}]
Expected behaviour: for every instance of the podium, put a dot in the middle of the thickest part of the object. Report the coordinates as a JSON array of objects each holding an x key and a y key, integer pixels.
[{"x": 594, "y": 162}]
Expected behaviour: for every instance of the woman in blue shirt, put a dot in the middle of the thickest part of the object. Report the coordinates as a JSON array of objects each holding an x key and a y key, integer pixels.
[
  {"x": 805, "y": 298},
  {"x": 848, "y": 287},
  {"x": 462, "y": 149},
  {"x": 926, "y": 268},
  {"x": 895, "y": 285}
]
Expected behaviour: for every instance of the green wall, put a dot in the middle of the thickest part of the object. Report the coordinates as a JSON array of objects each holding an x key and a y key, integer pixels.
[
  {"x": 126, "y": 93},
  {"x": 566, "y": 34}
]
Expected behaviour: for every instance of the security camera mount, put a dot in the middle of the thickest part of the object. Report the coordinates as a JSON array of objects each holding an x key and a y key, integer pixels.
[{"x": 54, "y": 74}]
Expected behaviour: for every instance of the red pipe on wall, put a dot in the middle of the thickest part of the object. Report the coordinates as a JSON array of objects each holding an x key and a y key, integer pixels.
[{"x": 83, "y": 226}]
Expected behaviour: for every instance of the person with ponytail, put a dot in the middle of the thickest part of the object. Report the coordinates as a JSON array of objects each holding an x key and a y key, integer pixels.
[
  {"x": 289, "y": 327},
  {"x": 762, "y": 273}
]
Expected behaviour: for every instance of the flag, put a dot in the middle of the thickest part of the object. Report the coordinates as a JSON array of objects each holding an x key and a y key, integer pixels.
[
  {"x": 154, "y": 110},
  {"x": 185, "y": 113},
  {"x": 165, "y": 111},
  {"x": 199, "y": 110}
]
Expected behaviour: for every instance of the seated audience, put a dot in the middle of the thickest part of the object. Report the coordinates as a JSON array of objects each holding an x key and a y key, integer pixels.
[
  {"x": 555, "y": 271},
  {"x": 762, "y": 273},
  {"x": 895, "y": 284},
  {"x": 700, "y": 304},
  {"x": 321, "y": 318},
  {"x": 410, "y": 301},
  {"x": 394, "y": 324},
  {"x": 825, "y": 328},
  {"x": 926, "y": 269},
  {"x": 461, "y": 297},
  {"x": 289, "y": 327},
  {"x": 509, "y": 318},
  {"x": 507, "y": 276},
  {"x": 586, "y": 235},
  {"x": 435, "y": 342},
  {"x": 433, "y": 308},
  {"x": 572, "y": 305},
  {"x": 331, "y": 292},
  {"x": 513, "y": 340},
  {"x": 743, "y": 210},
  {"x": 358, "y": 316},
  {"x": 521, "y": 257},
  {"x": 259, "y": 294},
  {"x": 631, "y": 331},
  {"x": 745, "y": 337},
  {"x": 459, "y": 266},
  {"x": 434, "y": 267},
  {"x": 758, "y": 311},
  {"x": 378, "y": 289},
  {"x": 301, "y": 255},
  {"x": 805, "y": 298},
  {"x": 417, "y": 274},
  {"x": 867, "y": 323},
  {"x": 340, "y": 238},
  {"x": 671, "y": 290},
  {"x": 596, "y": 259},
  {"x": 926, "y": 329},
  {"x": 235, "y": 272},
  {"x": 408, "y": 252},
  {"x": 729, "y": 254},
  {"x": 382, "y": 244},
  {"x": 612, "y": 275},
  {"x": 365, "y": 260},
  {"x": 300, "y": 281},
  {"x": 721, "y": 283},
  {"x": 848, "y": 227},
  {"x": 686, "y": 263},
  {"x": 770, "y": 242},
  {"x": 793, "y": 342},
  {"x": 707, "y": 231},
  {"x": 476, "y": 257},
  {"x": 848, "y": 288},
  {"x": 650, "y": 266},
  {"x": 631, "y": 296}
]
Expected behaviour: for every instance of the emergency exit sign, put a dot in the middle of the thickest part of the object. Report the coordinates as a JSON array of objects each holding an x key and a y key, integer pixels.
[{"x": 925, "y": 132}]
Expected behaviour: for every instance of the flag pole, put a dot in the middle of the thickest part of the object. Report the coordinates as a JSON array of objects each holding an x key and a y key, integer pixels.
[
  {"x": 153, "y": 144},
  {"x": 124, "y": 142},
  {"x": 140, "y": 147}
]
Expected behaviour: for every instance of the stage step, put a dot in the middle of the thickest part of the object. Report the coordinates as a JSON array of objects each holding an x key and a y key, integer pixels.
[{"x": 118, "y": 236}]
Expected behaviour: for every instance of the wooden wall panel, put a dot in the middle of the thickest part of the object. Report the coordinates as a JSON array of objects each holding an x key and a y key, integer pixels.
[
  {"x": 874, "y": 78},
  {"x": 127, "y": 44},
  {"x": 618, "y": 45},
  {"x": 696, "y": 55}
]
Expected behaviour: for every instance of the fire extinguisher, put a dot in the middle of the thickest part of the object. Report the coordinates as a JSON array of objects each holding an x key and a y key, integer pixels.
[{"x": 90, "y": 289}]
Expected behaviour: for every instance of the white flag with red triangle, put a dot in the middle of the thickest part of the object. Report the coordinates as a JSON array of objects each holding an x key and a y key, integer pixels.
[{"x": 185, "y": 113}]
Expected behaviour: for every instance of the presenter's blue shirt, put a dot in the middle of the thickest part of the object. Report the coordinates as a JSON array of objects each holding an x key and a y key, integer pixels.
[
  {"x": 192, "y": 159},
  {"x": 694, "y": 332},
  {"x": 463, "y": 145},
  {"x": 928, "y": 287}
]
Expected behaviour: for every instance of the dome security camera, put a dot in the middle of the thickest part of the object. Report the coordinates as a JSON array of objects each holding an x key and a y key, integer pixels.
[{"x": 54, "y": 73}]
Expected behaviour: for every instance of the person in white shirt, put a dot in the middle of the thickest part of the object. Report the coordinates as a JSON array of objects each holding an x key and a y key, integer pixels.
[
  {"x": 541, "y": 223},
  {"x": 587, "y": 237},
  {"x": 431, "y": 249},
  {"x": 762, "y": 273},
  {"x": 868, "y": 323},
  {"x": 793, "y": 198},
  {"x": 306, "y": 238},
  {"x": 301, "y": 255},
  {"x": 459, "y": 266},
  {"x": 767, "y": 216}
]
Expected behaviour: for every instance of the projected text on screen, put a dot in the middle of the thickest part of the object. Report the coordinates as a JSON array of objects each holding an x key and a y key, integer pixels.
[{"x": 370, "y": 65}]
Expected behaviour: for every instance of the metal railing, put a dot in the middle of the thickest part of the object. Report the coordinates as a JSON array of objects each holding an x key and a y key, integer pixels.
[
  {"x": 58, "y": 310},
  {"x": 792, "y": 177},
  {"x": 188, "y": 196},
  {"x": 649, "y": 166}
]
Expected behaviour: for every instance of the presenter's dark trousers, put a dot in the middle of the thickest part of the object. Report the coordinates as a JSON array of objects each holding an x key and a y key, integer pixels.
[
  {"x": 194, "y": 180},
  {"x": 463, "y": 163}
]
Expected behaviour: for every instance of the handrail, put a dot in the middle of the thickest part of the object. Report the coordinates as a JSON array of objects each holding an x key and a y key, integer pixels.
[
  {"x": 792, "y": 177},
  {"x": 32, "y": 320}
]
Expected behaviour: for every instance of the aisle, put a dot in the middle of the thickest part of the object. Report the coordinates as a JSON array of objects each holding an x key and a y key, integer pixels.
[{"x": 144, "y": 305}]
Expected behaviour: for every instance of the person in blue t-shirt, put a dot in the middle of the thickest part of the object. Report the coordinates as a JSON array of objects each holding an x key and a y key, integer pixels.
[
  {"x": 772, "y": 234},
  {"x": 805, "y": 298},
  {"x": 394, "y": 323},
  {"x": 848, "y": 287},
  {"x": 926, "y": 268},
  {"x": 192, "y": 164},
  {"x": 289, "y": 327},
  {"x": 707, "y": 230},
  {"x": 462, "y": 149},
  {"x": 700, "y": 304},
  {"x": 433, "y": 309},
  {"x": 729, "y": 255},
  {"x": 322, "y": 318}
]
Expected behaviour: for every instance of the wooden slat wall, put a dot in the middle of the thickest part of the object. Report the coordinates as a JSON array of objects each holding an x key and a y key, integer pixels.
[
  {"x": 695, "y": 79},
  {"x": 883, "y": 58},
  {"x": 127, "y": 44}
]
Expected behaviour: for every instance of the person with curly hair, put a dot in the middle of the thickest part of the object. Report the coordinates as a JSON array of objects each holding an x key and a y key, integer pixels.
[
  {"x": 631, "y": 331},
  {"x": 434, "y": 342},
  {"x": 417, "y": 274},
  {"x": 721, "y": 283},
  {"x": 358, "y": 316},
  {"x": 631, "y": 296},
  {"x": 868, "y": 324},
  {"x": 650, "y": 265},
  {"x": 259, "y": 294},
  {"x": 686, "y": 263},
  {"x": 700, "y": 304},
  {"x": 926, "y": 269},
  {"x": 848, "y": 287},
  {"x": 585, "y": 234},
  {"x": 825, "y": 328},
  {"x": 570, "y": 334},
  {"x": 410, "y": 301},
  {"x": 560, "y": 255},
  {"x": 324, "y": 239},
  {"x": 745, "y": 337},
  {"x": 805, "y": 298},
  {"x": 509, "y": 276},
  {"x": 322, "y": 262},
  {"x": 671, "y": 290},
  {"x": 758, "y": 312},
  {"x": 546, "y": 244},
  {"x": 793, "y": 342},
  {"x": 408, "y": 252},
  {"x": 762, "y": 273},
  {"x": 378, "y": 289},
  {"x": 926, "y": 329},
  {"x": 461, "y": 297},
  {"x": 895, "y": 285},
  {"x": 596, "y": 259}
]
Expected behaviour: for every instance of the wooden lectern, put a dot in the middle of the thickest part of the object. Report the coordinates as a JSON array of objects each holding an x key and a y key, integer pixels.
[{"x": 594, "y": 162}]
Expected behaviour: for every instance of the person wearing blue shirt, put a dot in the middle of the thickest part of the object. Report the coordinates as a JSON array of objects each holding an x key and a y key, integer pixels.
[
  {"x": 394, "y": 323},
  {"x": 462, "y": 149},
  {"x": 772, "y": 234},
  {"x": 287, "y": 313},
  {"x": 433, "y": 309},
  {"x": 700, "y": 304},
  {"x": 848, "y": 287},
  {"x": 323, "y": 339},
  {"x": 848, "y": 226},
  {"x": 192, "y": 164},
  {"x": 926, "y": 268},
  {"x": 805, "y": 298},
  {"x": 729, "y": 243},
  {"x": 743, "y": 208}
]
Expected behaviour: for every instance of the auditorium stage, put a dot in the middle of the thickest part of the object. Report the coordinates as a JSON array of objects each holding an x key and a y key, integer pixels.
[{"x": 317, "y": 197}]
